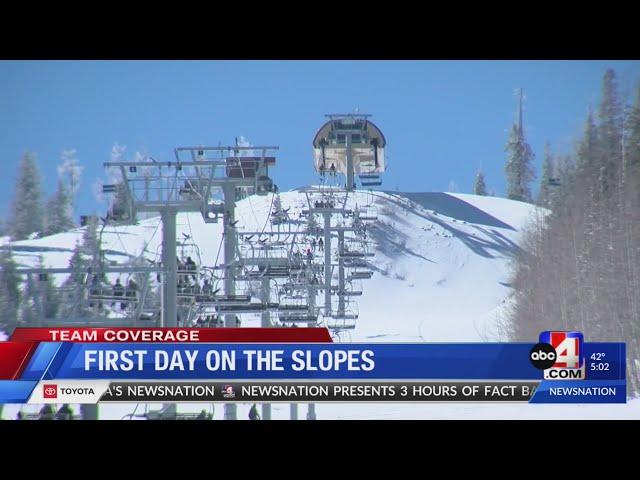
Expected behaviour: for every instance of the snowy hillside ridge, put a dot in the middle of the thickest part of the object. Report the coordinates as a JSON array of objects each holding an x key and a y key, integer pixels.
[{"x": 432, "y": 250}]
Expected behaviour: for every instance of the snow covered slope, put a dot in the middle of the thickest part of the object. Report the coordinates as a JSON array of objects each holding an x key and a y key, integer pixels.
[
  {"x": 431, "y": 250},
  {"x": 442, "y": 262}
]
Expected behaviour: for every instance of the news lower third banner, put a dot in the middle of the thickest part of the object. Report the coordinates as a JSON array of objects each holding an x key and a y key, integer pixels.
[{"x": 66, "y": 365}]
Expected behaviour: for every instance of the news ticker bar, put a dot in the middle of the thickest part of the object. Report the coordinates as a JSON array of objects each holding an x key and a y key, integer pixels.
[
  {"x": 307, "y": 391},
  {"x": 320, "y": 391}
]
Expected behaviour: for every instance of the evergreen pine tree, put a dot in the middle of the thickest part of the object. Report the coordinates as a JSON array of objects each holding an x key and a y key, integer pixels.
[
  {"x": 548, "y": 176},
  {"x": 631, "y": 235},
  {"x": 277, "y": 204},
  {"x": 78, "y": 265},
  {"x": 120, "y": 206},
  {"x": 74, "y": 304},
  {"x": 587, "y": 149},
  {"x": 49, "y": 295},
  {"x": 91, "y": 244},
  {"x": 29, "y": 306},
  {"x": 479, "y": 186},
  {"x": 70, "y": 173},
  {"x": 58, "y": 211},
  {"x": 312, "y": 225},
  {"x": 609, "y": 132},
  {"x": 10, "y": 294},
  {"x": 27, "y": 209},
  {"x": 277, "y": 214},
  {"x": 633, "y": 127},
  {"x": 566, "y": 171},
  {"x": 519, "y": 167}
]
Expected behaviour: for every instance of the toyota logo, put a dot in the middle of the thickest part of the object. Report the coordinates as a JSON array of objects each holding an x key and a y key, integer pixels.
[{"x": 50, "y": 391}]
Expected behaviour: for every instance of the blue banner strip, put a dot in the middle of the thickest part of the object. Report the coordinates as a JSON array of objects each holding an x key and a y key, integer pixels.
[
  {"x": 482, "y": 361},
  {"x": 16, "y": 391},
  {"x": 580, "y": 391},
  {"x": 41, "y": 360}
]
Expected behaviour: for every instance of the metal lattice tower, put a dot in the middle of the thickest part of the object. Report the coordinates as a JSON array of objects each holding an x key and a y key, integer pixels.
[
  {"x": 285, "y": 258},
  {"x": 188, "y": 185},
  {"x": 347, "y": 260}
]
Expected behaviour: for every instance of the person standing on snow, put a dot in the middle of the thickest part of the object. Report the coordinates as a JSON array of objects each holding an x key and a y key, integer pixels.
[{"x": 253, "y": 413}]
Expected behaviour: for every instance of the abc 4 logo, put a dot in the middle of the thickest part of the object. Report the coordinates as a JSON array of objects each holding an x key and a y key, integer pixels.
[{"x": 560, "y": 355}]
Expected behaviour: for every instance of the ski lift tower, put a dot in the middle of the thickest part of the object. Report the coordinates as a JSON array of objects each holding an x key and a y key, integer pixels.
[
  {"x": 187, "y": 185},
  {"x": 350, "y": 144}
]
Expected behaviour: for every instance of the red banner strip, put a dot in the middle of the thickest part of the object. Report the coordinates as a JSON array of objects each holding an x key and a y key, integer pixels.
[
  {"x": 14, "y": 357},
  {"x": 169, "y": 335}
]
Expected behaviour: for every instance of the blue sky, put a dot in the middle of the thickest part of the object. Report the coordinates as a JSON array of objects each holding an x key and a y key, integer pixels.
[{"x": 442, "y": 119}]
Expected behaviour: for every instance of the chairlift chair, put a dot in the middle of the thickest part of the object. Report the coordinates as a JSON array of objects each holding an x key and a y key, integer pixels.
[
  {"x": 370, "y": 180},
  {"x": 212, "y": 212},
  {"x": 341, "y": 323},
  {"x": 309, "y": 318}
]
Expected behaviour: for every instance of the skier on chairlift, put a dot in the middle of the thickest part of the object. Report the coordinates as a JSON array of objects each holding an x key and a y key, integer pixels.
[
  {"x": 94, "y": 290},
  {"x": 118, "y": 291},
  {"x": 191, "y": 266},
  {"x": 95, "y": 286},
  {"x": 181, "y": 267},
  {"x": 131, "y": 293}
]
